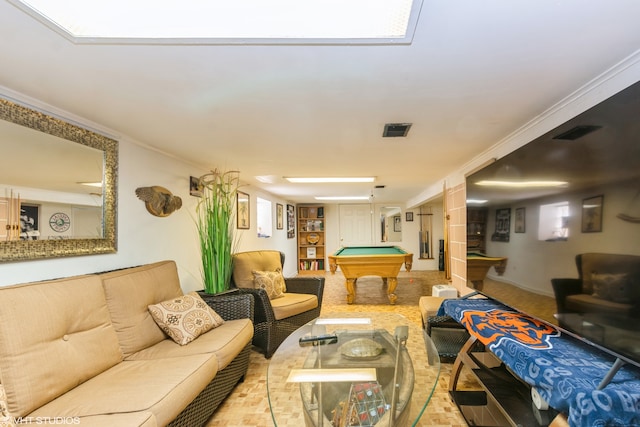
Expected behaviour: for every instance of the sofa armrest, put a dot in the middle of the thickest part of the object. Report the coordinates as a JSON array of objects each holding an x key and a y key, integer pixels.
[
  {"x": 562, "y": 288},
  {"x": 231, "y": 306}
]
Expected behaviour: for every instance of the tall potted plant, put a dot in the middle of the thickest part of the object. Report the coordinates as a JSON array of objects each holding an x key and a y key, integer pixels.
[{"x": 215, "y": 216}]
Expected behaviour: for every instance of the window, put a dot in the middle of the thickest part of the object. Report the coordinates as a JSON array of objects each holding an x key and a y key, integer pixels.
[
  {"x": 265, "y": 218},
  {"x": 554, "y": 222}
]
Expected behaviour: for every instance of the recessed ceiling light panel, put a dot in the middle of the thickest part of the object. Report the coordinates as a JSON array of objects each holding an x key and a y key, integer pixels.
[
  {"x": 225, "y": 22},
  {"x": 329, "y": 179}
]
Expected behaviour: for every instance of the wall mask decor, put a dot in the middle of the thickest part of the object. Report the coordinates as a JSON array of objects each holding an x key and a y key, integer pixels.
[{"x": 158, "y": 200}]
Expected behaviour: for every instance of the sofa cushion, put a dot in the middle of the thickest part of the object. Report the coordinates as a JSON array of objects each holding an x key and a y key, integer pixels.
[
  {"x": 245, "y": 263},
  {"x": 185, "y": 318},
  {"x": 129, "y": 292},
  {"x": 291, "y": 304},
  {"x": 161, "y": 386},
  {"x": 225, "y": 342},
  {"x": 60, "y": 333},
  {"x": 271, "y": 281}
]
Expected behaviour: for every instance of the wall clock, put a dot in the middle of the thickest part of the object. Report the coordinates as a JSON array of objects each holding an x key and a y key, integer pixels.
[{"x": 60, "y": 222}]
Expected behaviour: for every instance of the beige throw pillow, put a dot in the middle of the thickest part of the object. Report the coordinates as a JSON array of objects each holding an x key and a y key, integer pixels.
[
  {"x": 185, "y": 318},
  {"x": 271, "y": 281}
]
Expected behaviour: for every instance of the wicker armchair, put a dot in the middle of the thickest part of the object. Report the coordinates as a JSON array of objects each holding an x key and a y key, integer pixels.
[{"x": 275, "y": 320}]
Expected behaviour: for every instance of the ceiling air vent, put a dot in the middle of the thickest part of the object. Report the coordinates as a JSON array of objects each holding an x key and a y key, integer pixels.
[
  {"x": 396, "y": 129},
  {"x": 577, "y": 132}
]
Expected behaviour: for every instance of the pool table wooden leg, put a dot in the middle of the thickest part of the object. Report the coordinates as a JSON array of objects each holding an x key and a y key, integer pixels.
[
  {"x": 392, "y": 282},
  {"x": 351, "y": 290}
]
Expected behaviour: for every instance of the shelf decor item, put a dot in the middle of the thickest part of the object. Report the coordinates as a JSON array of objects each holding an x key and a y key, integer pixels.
[{"x": 216, "y": 228}]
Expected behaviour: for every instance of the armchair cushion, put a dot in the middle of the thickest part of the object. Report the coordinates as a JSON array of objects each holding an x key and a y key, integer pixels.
[
  {"x": 271, "y": 281},
  {"x": 245, "y": 263},
  {"x": 292, "y": 304}
]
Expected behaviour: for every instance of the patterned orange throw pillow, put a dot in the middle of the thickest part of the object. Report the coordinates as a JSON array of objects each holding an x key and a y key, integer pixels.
[{"x": 185, "y": 318}]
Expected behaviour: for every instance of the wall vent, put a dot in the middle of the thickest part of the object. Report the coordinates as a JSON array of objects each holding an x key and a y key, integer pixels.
[{"x": 392, "y": 130}]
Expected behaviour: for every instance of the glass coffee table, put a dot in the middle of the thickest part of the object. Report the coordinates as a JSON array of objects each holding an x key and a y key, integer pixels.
[{"x": 353, "y": 369}]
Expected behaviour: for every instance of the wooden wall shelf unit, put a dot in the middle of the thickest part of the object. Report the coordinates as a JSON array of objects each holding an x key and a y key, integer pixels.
[
  {"x": 476, "y": 229},
  {"x": 311, "y": 238}
]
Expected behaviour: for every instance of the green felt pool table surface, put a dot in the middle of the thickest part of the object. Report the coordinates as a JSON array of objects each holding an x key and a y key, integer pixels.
[{"x": 370, "y": 250}]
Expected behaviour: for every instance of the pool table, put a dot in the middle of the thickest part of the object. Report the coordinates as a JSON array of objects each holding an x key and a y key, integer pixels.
[
  {"x": 358, "y": 261},
  {"x": 478, "y": 266}
]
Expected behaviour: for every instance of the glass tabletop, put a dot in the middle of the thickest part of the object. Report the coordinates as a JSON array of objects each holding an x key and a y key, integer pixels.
[{"x": 352, "y": 369}]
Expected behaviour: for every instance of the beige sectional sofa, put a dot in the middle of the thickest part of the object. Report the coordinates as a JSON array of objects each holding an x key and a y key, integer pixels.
[{"x": 85, "y": 350}]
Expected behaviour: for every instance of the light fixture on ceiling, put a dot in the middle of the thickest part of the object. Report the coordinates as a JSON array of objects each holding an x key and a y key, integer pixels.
[
  {"x": 332, "y": 375},
  {"x": 336, "y": 198},
  {"x": 326, "y": 179},
  {"x": 90, "y": 184},
  {"x": 392, "y": 130},
  {"x": 522, "y": 184},
  {"x": 476, "y": 201},
  {"x": 228, "y": 22}
]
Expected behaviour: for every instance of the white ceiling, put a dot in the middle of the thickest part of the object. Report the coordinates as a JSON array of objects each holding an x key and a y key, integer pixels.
[{"x": 475, "y": 72}]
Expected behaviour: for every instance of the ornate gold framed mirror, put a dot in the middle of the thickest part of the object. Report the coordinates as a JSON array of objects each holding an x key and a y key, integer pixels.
[{"x": 58, "y": 187}]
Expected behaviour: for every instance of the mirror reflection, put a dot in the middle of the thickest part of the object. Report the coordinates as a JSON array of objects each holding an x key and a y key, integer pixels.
[
  {"x": 390, "y": 224},
  {"x": 566, "y": 242},
  {"x": 57, "y": 187},
  {"x": 54, "y": 191}
]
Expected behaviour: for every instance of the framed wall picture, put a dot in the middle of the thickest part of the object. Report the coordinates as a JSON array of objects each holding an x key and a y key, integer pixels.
[
  {"x": 243, "y": 210},
  {"x": 592, "y": 214},
  {"x": 397, "y": 223},
  {"x": 519, "y": 224},
  {"x": 29, "y": 221},
  {"x": 291, "y": 222},
  {"x": 503, "y": 225},
  {"x": 408, "y": 216},
  {"x": 279, "y": 216},
  {"x": 195, "y": 188}
]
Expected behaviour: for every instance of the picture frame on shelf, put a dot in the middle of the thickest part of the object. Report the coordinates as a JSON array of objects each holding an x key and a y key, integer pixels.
[
  {"x": 279, "y": 216},
  {"x": 592, "y": 214},
  {"x": 243, "y": 212}
]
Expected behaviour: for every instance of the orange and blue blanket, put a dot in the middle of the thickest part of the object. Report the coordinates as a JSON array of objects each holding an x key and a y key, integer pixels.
[{"x": 564, "y": 370}]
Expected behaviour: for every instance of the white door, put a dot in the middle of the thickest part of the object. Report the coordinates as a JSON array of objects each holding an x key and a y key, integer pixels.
[{"x": 356, "y": 225}]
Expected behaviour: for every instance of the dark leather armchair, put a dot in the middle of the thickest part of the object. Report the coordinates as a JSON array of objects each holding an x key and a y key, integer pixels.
[
  {"x": 606, "y": 283},
  {"x": 275, "y": 320}
]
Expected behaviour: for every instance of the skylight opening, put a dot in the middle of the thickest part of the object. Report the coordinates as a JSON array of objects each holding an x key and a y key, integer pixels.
[{"x": 237, "y": 21}]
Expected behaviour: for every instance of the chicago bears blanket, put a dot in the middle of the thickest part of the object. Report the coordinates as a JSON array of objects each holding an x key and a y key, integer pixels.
[{"x": 564, "y": 370}]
